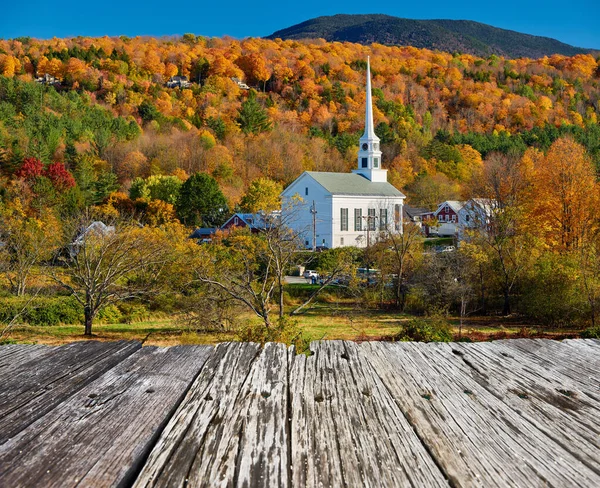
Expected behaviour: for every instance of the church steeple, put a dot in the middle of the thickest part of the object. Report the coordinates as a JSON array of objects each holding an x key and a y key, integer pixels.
[{"x": 369, "y": 155}]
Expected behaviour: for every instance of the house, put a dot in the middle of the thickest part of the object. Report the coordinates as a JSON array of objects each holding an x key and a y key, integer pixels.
[
  {"x": 332, "y": 210},
  {"x": 475, "y": 213},
  {"x": 96, "y": 228},
  {"x": 203, "y": 234},
  {"x": 444, "y": 221},
  {"x": 48, "y": 80},
  {"x": 416, "y": 215},
  {"x": 240, "y": 83},
  {"x": 255, "y": 222},
  {"x": 178, "y": 82}
]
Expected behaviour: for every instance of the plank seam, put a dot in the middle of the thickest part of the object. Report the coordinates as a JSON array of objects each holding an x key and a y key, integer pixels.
[
  {"x": 448, "y": 478},
  {"x": 136, "y": 467}
]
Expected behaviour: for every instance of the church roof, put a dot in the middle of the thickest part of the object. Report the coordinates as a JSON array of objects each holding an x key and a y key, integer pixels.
[{"x": 353, "y": 184}]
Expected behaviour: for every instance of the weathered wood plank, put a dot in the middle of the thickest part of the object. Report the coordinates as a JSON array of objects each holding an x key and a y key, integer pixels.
[
  {"x": 231, "y": 428},
  {"x": 41, "y": 383},
  {"x": 477, "y": 439},
  {"x": 550, "y": 401},
  {"x": 581, "y": 367},
  {"x": 346, "y": 428},
  {"x": 13, "y": 356},
  {"x": 103, "y": 433}
]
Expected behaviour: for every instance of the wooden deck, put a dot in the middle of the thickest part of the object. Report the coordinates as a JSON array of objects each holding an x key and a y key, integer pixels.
[{"x": 507, "y": 413}]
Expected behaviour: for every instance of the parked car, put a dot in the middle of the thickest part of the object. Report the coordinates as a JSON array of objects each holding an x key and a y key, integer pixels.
[{"x": 309, "y": 273}]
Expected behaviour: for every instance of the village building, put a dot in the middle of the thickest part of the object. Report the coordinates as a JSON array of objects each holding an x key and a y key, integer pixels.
[
  {"x": 330, "y": 210},
  {"x": 444, "y": 221}
]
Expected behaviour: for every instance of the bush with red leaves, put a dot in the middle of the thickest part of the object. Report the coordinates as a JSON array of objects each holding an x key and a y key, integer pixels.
[
  {"x": 60, "y": 177},
  {"x": 30, "y": 169}
]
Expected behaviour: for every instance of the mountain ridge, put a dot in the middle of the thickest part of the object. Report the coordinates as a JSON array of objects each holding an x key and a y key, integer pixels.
[{"x": 463, "y": 36}]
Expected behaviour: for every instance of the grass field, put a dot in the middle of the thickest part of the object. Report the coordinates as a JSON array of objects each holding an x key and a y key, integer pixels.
[{"x": 322, "y": 322}]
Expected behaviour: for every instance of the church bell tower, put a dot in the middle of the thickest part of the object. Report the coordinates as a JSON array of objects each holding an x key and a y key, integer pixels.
[{"x": 369, "y": 155}]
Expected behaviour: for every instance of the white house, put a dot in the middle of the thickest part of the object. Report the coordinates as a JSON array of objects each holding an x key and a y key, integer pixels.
[
  {"x": 345, "y": 209},
  {"x": 475, "y": 214}
]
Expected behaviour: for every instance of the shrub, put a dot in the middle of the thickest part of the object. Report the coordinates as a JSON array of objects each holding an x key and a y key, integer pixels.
[
  {"x": 285, "y": 330},
  {"x": 431, "y": 329},
  {"x": 44, "y": 311},
  {"x": 132, "y": 312},
  {"x": 591, "y": 333},
  {"x": 110, "y": 315}
]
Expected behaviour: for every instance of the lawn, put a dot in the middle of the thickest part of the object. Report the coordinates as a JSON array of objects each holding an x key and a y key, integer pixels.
[{"x": 324, "y": 321}]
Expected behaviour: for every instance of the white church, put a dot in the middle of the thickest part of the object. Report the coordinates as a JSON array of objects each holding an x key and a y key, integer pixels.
[{"x": 345, "y": 209}]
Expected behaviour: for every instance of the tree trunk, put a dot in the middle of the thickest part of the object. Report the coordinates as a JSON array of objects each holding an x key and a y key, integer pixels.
[
  {"x": 506, "y": 308},
  {"x": 280, "y": 299},
  {"x": 89, "y": 318}
]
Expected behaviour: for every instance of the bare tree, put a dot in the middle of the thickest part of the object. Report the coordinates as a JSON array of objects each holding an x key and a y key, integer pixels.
[
  {"x": 106, "y": 265},
  {"x": 397, "y": 254}
]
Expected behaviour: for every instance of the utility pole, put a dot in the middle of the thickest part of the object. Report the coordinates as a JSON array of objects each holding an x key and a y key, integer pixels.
[
  {"x": 313, "y": 211},
  {"x": 369, "y": 218}
]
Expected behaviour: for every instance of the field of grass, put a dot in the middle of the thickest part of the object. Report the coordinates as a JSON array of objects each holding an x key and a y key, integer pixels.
[{"x": 322, "y": 322}]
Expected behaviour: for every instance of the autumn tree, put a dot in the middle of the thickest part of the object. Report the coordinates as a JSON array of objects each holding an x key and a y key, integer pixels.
[
  {"x": 566, "y": 195},
  {"x": 397, "y": 254},
  {"x": 27, "y": 241},
  {"x": 263, "y": 194},
  {"x": 502, "y": 230},
  {"x": 110, "y": 264}
]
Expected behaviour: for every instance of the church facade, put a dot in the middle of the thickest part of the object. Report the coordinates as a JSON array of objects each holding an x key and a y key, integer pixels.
[{"x": 346, "y": 209}]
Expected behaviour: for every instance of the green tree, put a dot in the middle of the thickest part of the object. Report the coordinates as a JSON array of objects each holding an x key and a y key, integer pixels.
[
  {"x": 252, "y": 118},
  {"x": 263, "y": 195},
  {"x": 201, "y": 201}
]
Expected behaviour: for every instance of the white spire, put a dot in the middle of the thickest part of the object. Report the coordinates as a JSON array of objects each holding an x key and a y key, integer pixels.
[
  {"x": 369, "y": 154},
  {"x": 369, "y": 129}
]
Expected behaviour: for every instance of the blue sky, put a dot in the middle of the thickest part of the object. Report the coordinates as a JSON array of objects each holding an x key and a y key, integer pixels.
[{"x": 576, "y": 22}]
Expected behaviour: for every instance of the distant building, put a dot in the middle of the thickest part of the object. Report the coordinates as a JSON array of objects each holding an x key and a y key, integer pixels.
[
  {"x": 240, "y": 83},
  {"x": 48, "y": 80},
  {"x": 346, "y": 209},
  {"x": 475, "y": 214},
  {"x": 178, "y": 82},
  {"x": 415, "y": 215},
  {"x": 256, "y": 222},
  {"x": 444, "y": 221}
]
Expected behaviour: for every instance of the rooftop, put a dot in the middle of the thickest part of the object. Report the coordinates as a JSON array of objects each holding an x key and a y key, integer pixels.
[{"x": 353, "y": 184}]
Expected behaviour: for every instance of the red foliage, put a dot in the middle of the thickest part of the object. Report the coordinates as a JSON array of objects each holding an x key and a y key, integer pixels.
[
  {"x": 60, "y": 177},
  {"x": 31, "y": 168}
]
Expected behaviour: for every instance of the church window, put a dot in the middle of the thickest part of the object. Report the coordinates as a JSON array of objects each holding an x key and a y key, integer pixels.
[
  {"x": 365, "y": 162},
  {"x": 397, "y": 217},
  {"x": 306, "y": 191},
  {"x": 383, "y": 217},
  {"x": 371, "y": 219},
  {"x": 467, "y": 217},
  {"x": 341, "y": 241},
  {"x": 358, "y": 219},
  {"x": 344, "y": 219},
  {"x": 376, "y": 146},
  {"x": 376, "y": 162}
]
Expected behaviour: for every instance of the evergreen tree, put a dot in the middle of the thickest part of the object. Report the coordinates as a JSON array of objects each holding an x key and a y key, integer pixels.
[
  {"x": 252, "y": 118},
  {"x": 201, "y": 202}
]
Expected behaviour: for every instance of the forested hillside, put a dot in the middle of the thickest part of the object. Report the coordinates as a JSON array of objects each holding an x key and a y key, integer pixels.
[
  {"x": 111, "y": 141},
  {"x": 463, "y": 36},
  {"x": 113, "y": 119}
]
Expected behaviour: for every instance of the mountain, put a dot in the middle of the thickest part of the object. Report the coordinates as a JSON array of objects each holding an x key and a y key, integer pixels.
[{"x": 464, "y": 36}]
